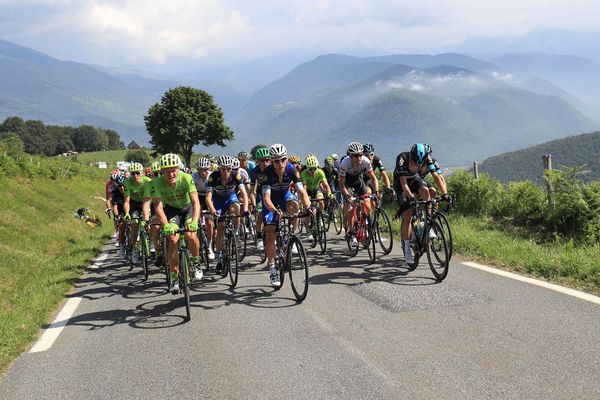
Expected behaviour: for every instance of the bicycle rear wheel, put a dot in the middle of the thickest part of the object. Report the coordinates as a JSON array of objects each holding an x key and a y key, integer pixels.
[
  {"x": 232, "y": 260},
  {"x": 337, "y": 217},
  {"x": 298, "y": 268},
  {"x": 184, "y": 276},
  {"x": 437, "y": 250},
  {"x": 383, "y": 230}
]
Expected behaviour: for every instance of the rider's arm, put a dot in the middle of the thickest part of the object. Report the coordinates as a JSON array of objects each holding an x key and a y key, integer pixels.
[
  {"x": 371, "y": 173},
  {"x": 209, "y": 202},
  {"x": 126, "y": 205},
  {"x": 196, "y": 208},
  {"x": 267, "y": 200},
  {"x": 244, "y": 198},
  {"x": 405, "y": 188},
  {"x": 386, "y": 179},
  {"x": 440, "y": 181},
  {"x": 160, "y": 213}
]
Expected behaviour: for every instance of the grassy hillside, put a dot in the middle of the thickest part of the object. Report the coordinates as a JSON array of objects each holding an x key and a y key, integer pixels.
[
  {"x": 111, "y": 157},
  {"x": 43, "y": 249},
  {"x": 527, "y": 163}
]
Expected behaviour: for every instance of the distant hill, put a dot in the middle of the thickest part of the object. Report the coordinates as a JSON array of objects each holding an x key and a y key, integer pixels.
[
  {"x": 466, "y": 115},
  {"x": 527, "y": 163}
]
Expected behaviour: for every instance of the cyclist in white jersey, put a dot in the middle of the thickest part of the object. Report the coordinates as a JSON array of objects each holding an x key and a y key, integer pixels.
[{"x": 352, "y": 183}]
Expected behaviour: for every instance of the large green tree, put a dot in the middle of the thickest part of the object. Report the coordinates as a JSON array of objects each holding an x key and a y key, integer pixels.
[{"x": 184, "y": 118}]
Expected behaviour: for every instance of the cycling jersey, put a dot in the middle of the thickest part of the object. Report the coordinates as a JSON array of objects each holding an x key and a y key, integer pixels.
[
  {"x": 200, "y": 184},
  {"x": 215, "y": 185},
  {"x": 270, "y": 181},
  {"x": 136, "y": 190},
  {"x": 351, "y": 172},
  {"x": 178, "y": 196},
  {"x": 243, "y": 174},
  {"x": 429, "y": 168},
  {"x": 313, "y": 183}
]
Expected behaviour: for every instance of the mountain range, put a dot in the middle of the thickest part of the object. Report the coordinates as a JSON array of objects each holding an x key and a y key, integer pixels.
[{"x": 467, "y": 108}]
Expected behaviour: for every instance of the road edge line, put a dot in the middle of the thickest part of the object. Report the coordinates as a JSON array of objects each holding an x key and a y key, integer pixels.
[
  {"x": 52, "y": 332},
  {"x": 568, "y": 291}
]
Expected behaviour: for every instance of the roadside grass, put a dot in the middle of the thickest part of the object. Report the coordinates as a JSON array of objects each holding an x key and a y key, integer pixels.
[
  {"x": 482, "y": 240},
  {"x": 43, "y": 250}
]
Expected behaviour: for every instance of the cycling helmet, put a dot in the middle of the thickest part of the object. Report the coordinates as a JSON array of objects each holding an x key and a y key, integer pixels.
[
  {"x": 120, "y": 180},
  {"x": 242, "y": 154},
  {"x": 427, "y": 148},
  {"x": 148, "y": 171},
  {"x": 136, "y": 167},
  {"x": 368, "y": 148},
  {"x": 312, "y": 161},
  {"x": 155, "y": 167},
  {"x": 170, "y": 160},
  {"x": 262, "y": 152},
  {"x": 203, "y": 163},
  {"x": 294, "y": 159},
  {"x": 335, "y": 157},
  {"x": 418, "y": 152},
  {"x": 114, "y": 175},
  {"x": 278, "y": 151},
  {"x": 225, "y": 161},
  {"x": 355, "y": 148},
  {"x": 329, "y": 161},
  {"x": 236, "y": 163},
  {"x": 210, "y": 156}
]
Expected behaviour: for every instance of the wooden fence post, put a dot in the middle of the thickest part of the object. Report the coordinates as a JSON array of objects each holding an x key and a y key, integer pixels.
[
  {"x": 476, "y": 169},
  {"x": 547, "y": 159}
]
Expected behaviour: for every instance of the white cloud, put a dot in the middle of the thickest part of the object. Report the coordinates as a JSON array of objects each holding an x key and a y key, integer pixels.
[{"x": 141, "y": 31}]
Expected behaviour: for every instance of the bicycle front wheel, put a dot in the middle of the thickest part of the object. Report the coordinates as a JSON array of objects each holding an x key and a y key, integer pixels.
[
  {"x": 383, "y": 230},
  {"x": 242, "y": 241},
  {"x": 184, "y": 277},
  {"x": 298, "y": 268},
  {"x": 232, "y": 260},
  {"x": 321, "y": 232},
  {"x": 437, "y": 250},
  {"x": 369, "y": 237},
  {"x": 144, "y": 254},
  {"x": 445, "y": 225}
]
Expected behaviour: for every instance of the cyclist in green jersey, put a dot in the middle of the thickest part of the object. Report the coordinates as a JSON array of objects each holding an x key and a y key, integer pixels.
[
  {"x": 177, "y": 205},
  {"x": 132, "y": 206},
  {"x": 314, "y": 180},
  {"x": 150, "y": 212}
]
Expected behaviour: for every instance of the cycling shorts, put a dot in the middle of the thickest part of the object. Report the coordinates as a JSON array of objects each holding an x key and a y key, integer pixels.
[{"x": 269, "y": 217}]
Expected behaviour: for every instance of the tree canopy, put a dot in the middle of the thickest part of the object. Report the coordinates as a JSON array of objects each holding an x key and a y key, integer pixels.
[{"x": 184, "y": 118}]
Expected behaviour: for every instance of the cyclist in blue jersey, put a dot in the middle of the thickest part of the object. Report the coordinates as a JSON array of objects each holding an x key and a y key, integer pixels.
[{"x": 277, "y": 197}]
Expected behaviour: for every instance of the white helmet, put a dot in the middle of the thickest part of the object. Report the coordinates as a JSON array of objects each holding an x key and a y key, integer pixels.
[
  {"x": 335, "y": 156},
  {"x": 355, "y": 148},
  {"x": 278, "y": 151},
  {"x": 203, "y": 163},
  {"x": 225, "y": 161},
  {"x": 236, "y": 163}
]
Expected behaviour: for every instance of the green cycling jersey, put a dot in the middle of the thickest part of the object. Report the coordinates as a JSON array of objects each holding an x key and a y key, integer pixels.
[
  {"x": 136, "y": 190},
  {"x": 178, "y": 196},
  {"x": 313, "y": 183}
]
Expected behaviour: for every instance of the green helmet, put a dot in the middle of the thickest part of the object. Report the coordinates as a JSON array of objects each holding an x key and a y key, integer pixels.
[
  {"x": 329, "y": 161},
  {"x": 170, "y": 161},
  {"x": 262, "y": 152}
]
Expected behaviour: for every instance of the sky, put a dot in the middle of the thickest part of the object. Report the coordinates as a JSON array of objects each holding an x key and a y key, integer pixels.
[{"x": 218, "y": 32}]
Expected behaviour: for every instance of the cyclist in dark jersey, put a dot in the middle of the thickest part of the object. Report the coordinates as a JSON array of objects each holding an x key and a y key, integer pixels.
[
  {"x": 408, "y": 182},
  {"x": 369, "y": 152},
  {"x": 277, "y": 198},
  {"x": 200, "y": 176},
  {"x": 264, "y": 160},
  {"x": 221, "y": 199}
]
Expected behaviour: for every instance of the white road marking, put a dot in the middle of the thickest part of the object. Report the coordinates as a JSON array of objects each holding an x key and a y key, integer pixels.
[
  {"x": 571, "y": 292},
  {"x": 51, "y": 333}
]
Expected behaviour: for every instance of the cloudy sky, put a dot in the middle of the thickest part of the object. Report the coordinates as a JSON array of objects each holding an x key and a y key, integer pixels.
[{"x": 158, "y": 32}]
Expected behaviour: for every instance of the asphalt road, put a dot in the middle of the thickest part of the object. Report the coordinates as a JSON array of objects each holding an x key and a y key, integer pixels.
[{"x": 364, "y": 332}]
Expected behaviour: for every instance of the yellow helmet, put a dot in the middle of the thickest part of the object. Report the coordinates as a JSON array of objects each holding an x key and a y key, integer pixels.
[
  {"x": 155, "y": 167},
  {"x": 312, "y": 161},
  {"x": 294, "y": 159},
  {"x": 170, "y": 160},
  {"x": 136, "y": 167}
]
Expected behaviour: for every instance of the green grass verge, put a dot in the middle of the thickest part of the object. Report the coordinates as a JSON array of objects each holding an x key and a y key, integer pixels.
[
  {"x": 482, "y": 240},
  {"x": 43, "y": 250}
]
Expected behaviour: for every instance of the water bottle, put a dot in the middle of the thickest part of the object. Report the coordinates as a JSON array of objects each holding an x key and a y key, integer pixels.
[{"x": 419, "y": 228}]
